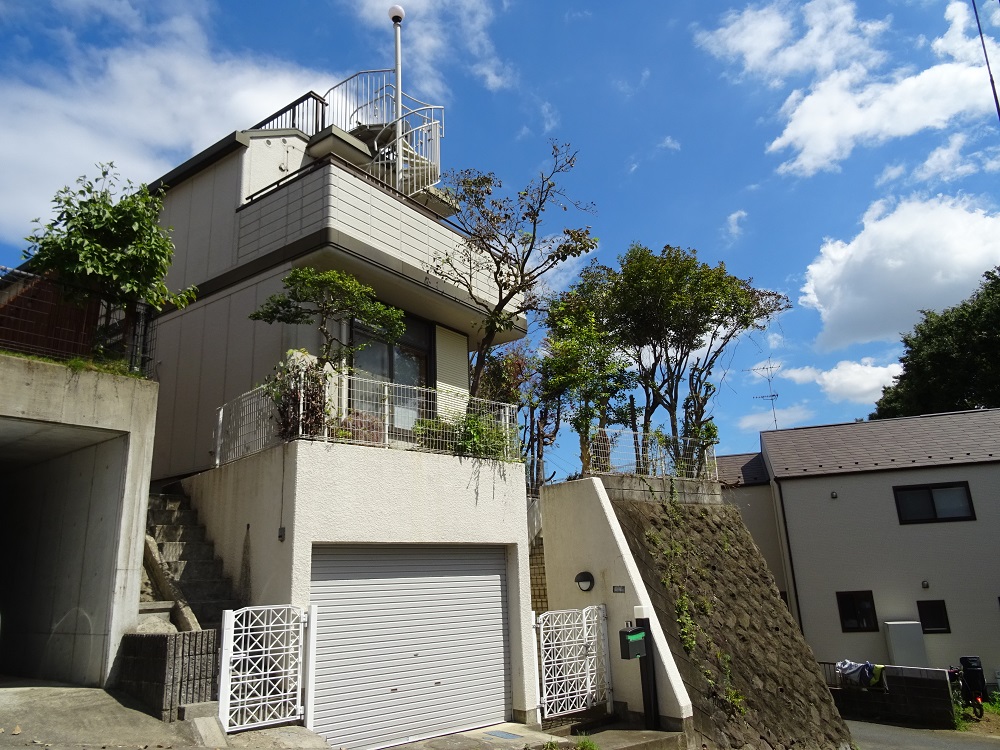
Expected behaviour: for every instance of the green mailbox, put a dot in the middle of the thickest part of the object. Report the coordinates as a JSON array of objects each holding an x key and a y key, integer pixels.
[{"x": 633, "y": 642}]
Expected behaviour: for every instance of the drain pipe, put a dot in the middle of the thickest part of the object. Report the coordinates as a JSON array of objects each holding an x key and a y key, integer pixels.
[
  {"x": 788, "y": 546},
  {"x": 397, "y": 15}
]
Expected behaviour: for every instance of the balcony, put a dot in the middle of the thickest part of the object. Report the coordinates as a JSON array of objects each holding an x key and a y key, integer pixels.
[{"x": 343, "y": 408}]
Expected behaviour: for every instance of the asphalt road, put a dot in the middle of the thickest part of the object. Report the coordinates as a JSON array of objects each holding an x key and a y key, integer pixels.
[{"x": 886, "y": 737}]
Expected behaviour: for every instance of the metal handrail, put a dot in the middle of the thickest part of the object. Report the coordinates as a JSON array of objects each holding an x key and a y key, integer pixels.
[{"x": 290, "y": 116}]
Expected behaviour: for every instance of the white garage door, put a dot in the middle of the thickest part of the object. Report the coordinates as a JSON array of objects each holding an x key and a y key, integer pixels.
[{"x": 411, "y": 642}]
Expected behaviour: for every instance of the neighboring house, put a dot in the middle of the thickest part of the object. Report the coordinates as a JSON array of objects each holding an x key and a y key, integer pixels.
[
  {"x": 416, "y": 558},
  {"x": 877, "y": 522}
]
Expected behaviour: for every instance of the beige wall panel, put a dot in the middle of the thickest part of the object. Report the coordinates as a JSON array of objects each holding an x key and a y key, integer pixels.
[
  {"x": 166, "y": 371},
  {"x": 452, "y": 360},
  {"x": 855, "y": 542},
  {"x": 216, "y": 336},
  {"x": 200, "y": 211}
]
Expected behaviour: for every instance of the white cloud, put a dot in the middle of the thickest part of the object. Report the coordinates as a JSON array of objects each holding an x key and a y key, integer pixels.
[
  {"x": 847, "y": 107},
  {"x": 857, "y": 382},
  {"x": 734, "y": 227},
  {"x": 767, "y": 42},
  {"x": 891, "y": 173},
  {"x": 162, "y": 94},
  {"x": 850, "y": 101},
  {"x": 436, "y": 30},
  {"x": 790, "y": 416},
  {"x": 919, "y": 253},
  {"x": 550, "y": 117},
  {"x": 670, "y": 143},
  {"x": 946, "y": 162},
  {"x": 628, "y": 89},
  {"x": 775, "y": 341}
]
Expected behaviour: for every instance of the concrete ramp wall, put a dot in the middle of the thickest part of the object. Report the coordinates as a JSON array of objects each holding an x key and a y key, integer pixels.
[{"x": 582, "y": 533}]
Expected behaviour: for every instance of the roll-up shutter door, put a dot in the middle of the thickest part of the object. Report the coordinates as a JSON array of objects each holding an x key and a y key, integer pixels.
[{"x": 411, "y": 642}]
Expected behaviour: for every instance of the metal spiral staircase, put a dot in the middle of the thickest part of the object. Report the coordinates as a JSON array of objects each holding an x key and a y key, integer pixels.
[{"x": 358, "y": 120}]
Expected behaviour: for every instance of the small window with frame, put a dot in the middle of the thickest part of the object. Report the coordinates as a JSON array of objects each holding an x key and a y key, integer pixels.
[
  {"x": 933, "y": 616},
  {"x": 934, "y": 503},
  {"x": 857, "y": 612}
]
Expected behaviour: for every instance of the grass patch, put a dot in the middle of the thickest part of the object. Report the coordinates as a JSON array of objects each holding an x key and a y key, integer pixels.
[{"x": 83, "y": 364}]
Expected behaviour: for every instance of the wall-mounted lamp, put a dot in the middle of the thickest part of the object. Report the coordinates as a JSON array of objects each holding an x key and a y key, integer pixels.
[
  {"x": 833, "y": 495},
  {"x": 924, "y": 585},
  {"x": 585, "y": 581}
]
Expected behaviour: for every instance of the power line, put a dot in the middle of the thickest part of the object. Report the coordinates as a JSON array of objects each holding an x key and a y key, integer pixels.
[{"x": 982, "y": 40}]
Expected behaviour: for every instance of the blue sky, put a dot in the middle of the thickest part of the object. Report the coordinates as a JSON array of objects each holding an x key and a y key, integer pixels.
[{"x": 845, "y": 154}]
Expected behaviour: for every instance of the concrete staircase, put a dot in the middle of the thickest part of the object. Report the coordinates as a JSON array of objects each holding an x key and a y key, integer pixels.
[{"x": 190, "y": 558}]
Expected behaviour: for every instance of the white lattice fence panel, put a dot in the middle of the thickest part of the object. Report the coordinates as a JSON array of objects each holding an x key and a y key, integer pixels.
[
  {"x": 261, "y": 675},
  {"x": 573, "y": 648}
]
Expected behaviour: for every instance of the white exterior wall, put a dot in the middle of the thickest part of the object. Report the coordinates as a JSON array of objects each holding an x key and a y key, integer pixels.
[
  {"x": 855, "y": 543},
  {"x": 327, "y": 493},
  {"x": 582, "y": 534},
  {"x": 270, "y": 156},
  {"x": 756, "y": 504}
]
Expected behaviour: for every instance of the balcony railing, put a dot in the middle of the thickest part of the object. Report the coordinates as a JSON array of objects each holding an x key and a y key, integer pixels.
[
  {"x": 41, "y": 316},
  {"x": 347, "y": 409},
  {"x": 651, "y": 454}
]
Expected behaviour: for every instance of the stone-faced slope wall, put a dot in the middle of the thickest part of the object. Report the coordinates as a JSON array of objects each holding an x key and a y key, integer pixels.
[{"x": 752, "y": 678}]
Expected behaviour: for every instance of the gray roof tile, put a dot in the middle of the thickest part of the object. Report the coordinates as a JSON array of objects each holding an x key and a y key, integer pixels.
[
  {"x": 929, "y": 440},
  {"x": 742, "y": 469}
]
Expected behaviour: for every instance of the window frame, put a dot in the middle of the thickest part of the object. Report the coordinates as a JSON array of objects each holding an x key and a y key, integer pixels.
[
  {"x": 943, "y": 612},
  {"x": 930, "y": 488},
  {"x": 851, "y": 598}
]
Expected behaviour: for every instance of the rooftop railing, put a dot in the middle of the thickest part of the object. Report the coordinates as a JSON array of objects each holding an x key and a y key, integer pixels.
[
  {"x": 345, "y": 408},
  {"x": 651, "y": 454},
  {"x": 47, "y": 318},
  {"x": 405, "y": 144}
]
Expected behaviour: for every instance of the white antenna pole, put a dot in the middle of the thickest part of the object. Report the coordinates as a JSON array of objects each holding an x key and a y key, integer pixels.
[{"x": 396, "y": 14}]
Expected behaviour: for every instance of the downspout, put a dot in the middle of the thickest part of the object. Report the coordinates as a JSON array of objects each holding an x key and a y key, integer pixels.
[{"x": 788, "y": 546}]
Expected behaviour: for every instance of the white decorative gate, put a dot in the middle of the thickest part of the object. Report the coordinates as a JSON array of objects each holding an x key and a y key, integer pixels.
[
  {"x": 261, "y": 675},
  {"x": 573, "y": 649}
]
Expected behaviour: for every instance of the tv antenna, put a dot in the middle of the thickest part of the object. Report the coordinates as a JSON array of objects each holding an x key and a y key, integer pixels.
[{"x": 767, "y": 371}]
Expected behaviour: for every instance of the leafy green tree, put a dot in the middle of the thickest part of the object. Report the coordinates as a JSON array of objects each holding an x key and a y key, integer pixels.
[
  {"x": 107, "y": 244},
  {"x": 586, "y": 367},
  {"x": 950, "y": 359},
  {"x": 674, "y": 316},
  {"x": 514, "y": 374},
  {"x": 324, "y": 298},
  {"x": 506, "y": 244}
]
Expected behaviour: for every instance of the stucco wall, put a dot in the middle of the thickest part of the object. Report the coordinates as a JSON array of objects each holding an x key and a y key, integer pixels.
[
  {"x": 74, "y": 522},
  {"x": 582, "y": 534},
  {"x": 855, "y": 542},
  {"x": 326, "y": 493}
]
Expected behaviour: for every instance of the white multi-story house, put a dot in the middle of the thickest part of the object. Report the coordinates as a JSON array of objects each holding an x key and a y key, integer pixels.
[
  {"x": 867, "y": 525},
  {"x": 417, "y": 558}
]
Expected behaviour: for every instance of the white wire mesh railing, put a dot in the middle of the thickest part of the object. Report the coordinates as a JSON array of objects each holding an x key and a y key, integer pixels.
[
  {"x": 651, "y": 454},
  {"x": 348, "y": 409}
]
